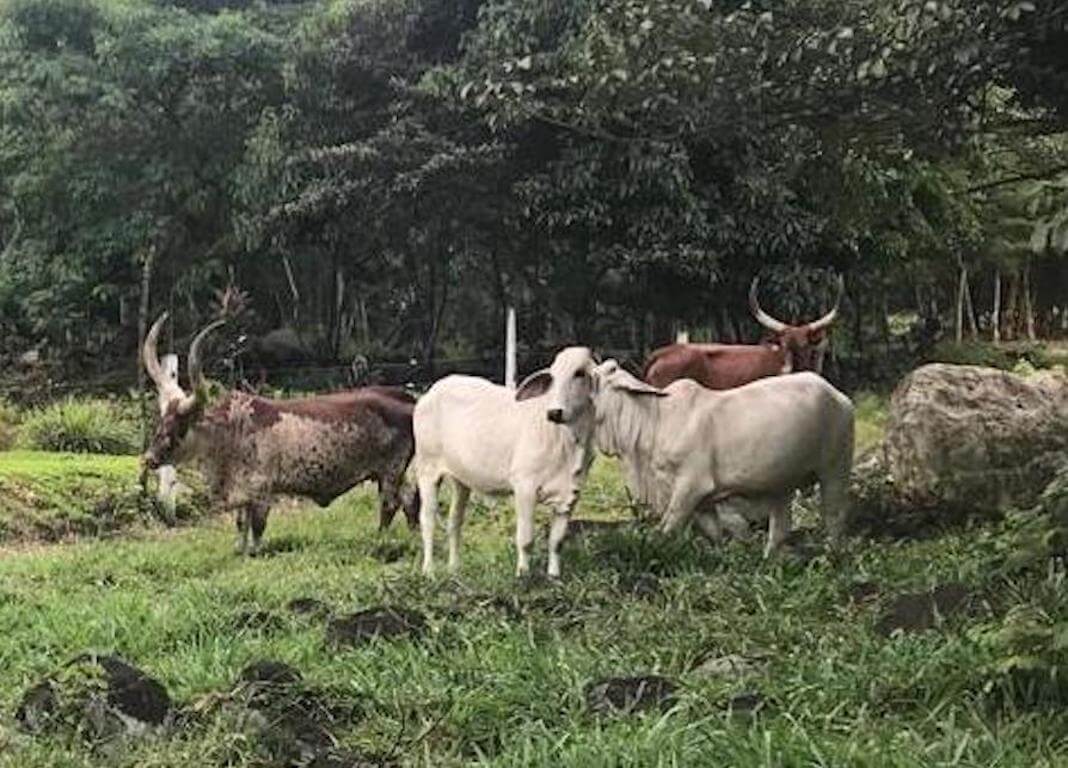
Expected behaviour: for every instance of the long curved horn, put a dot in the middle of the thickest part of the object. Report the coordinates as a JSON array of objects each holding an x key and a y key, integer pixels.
[
  {"x": 167, "y": 387},
  {"x": 762, "y": 317},
  {"x": 196, "y": 375},
  {"x": 826, "y": 320}
]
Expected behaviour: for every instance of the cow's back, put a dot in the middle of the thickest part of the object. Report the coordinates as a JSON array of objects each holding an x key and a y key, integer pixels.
[
  {"x": 715, "y": 366},
  {"x": 784, "y": 428}
]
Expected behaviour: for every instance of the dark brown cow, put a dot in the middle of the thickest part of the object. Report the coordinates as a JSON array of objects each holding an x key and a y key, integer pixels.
[
  {"x": 787, "y": 349},
  {"x": 252, "y": 448}
]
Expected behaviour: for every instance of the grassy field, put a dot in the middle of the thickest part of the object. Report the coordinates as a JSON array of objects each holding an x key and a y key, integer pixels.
[{"x": 500, "y": 674}]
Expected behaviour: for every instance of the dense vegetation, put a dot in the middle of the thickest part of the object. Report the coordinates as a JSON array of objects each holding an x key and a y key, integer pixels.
[{"x": 384, "y": 177}]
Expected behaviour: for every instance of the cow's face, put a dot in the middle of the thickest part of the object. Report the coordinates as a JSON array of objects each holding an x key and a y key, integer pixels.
[
  {"x": 567, "y": 386},
  {"x": 171, "y": 435},
  {"x": 804, "y": 345},
  {"x": 179, "y": 411},
  {"x": 805, "y": 348}
]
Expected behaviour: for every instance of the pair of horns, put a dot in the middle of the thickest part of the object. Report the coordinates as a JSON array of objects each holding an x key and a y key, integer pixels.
[
  {"x": 168, "y": 387},
  {"x": 778, "y": 326}
]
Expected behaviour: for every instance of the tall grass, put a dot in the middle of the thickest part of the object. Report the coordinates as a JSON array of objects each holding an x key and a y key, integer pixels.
[{"x": 80, "y": 426}]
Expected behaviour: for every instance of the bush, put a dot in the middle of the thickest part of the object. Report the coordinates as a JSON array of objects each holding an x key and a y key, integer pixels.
[
  {"x": 1008, "y": 357},
  {"x": 9, "y": 424},
  {"x": 80, "y": 426}
]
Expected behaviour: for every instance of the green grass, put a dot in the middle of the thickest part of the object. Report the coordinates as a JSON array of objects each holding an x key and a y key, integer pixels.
[
  {"x": 490, "y": 688},
  {"x": 871, "y": 417},
  {"x": 52, "y": 495}
]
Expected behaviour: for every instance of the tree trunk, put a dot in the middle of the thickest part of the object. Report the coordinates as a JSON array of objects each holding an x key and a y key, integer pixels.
[
  {"x": 147, "y": 265},
  {"x": 1010, "y": 309},
  {"x": 995, "y": 320},
  {"x": 958, "y": 328},
  {"x": 1028, "y": 309},
  {"x": 969, "y": 308}
]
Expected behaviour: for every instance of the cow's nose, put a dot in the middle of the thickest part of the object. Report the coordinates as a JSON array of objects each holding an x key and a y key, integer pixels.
[{"x": 555, "y": 415}]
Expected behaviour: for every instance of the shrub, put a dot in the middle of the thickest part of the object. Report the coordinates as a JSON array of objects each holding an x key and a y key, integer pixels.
[
  {"x": 9, "y": 424},
  {"x": 1027, "y": 356},
  {"x": 80, "y": 426}
]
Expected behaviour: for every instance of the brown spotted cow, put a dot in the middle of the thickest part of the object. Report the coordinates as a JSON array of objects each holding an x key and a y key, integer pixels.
[
  {"x": 787, "y": 349},
  {"x": 252, "y": 448}
]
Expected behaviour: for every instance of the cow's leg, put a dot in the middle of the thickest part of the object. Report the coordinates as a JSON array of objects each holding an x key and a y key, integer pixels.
[
  {"x": 737, "y": 512},
  {"x": 779, "y": 523},
  {"x": 388, "y": 501},
  {"x": 241, "y": 520},
  {"x": 707, "y": 521},
  {"x": 257, "y": 514},
  {"x": 557, "y": 532},
  {"x": 428, "y": 518},
  {"x": 525, "y": 501},
  {"x": 834, "y": 502},
  {"x": 460, "y": 494},
  {"x": 680, "y": 509}
]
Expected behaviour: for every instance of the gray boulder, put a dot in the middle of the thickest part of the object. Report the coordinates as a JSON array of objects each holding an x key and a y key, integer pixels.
[{"x": 977, "y": 438}]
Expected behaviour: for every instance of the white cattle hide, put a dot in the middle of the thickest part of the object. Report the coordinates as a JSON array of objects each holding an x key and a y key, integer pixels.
[
  {"x": 689, "y": 450},
  {"x": 534, "y": 442}
]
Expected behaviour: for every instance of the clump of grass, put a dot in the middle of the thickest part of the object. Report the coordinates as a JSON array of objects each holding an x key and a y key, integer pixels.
[
  {"x": 871, "y": 415},
  {"x": 80, "y": 426},
  {"x": 9, "y": 424}
]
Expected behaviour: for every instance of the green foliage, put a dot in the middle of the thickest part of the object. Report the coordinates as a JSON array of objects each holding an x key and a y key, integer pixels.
[
  {"x": 80, "y": 426},
  {"x": 1004, "y": 357},
  {"x": 10, "y": 417}
]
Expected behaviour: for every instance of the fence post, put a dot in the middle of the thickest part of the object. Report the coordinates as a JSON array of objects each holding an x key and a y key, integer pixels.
[
  {"x": 682, "y": 336},
  {"x": 168, "y": 475},
  {"x": 509, "y": 350}
]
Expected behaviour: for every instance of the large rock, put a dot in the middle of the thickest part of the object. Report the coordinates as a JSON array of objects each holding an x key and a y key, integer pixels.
[{"x": 976, "y": 438}]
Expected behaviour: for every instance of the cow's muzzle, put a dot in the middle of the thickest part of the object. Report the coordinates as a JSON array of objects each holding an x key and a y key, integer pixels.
[
  {"x": 555, "y": 415},
  {"x": 149, "y": 460}
]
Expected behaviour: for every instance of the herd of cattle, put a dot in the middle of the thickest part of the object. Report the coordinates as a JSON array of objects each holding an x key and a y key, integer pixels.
[{"x": 711, "y": 433}]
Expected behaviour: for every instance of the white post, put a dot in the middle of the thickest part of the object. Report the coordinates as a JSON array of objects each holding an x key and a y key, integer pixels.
[
  {"x": 168, "y": 475},
  {"x": 682, "y": 336},
  {"x": 509, "y": 350}
]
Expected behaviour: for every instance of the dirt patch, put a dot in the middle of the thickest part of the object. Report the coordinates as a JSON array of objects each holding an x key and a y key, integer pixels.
[
  {"x": 642, "y": 585},
  {"x": 391, "y": 551},
  {"x": 623, "y": 695},
  {"x": 97, "y": 696},
  {"x": 386, "y": 622},
  {"x": 746, "y": 705},
  {"x": 270, "y": 673},
  {"x": 920, "y": 611},
  {"x": 308, "y": 606},
  {"x": 862, "y": 592},
  {"x": 286, "y": 721}
]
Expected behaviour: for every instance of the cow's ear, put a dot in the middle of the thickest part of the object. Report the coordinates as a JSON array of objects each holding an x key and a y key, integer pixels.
[
  {"x": 638, "y": 387},
  {"x": 534, "y": 385}
]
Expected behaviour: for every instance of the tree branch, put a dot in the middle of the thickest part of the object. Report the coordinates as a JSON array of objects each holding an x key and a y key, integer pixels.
[{"x": 1048, "y": 173}]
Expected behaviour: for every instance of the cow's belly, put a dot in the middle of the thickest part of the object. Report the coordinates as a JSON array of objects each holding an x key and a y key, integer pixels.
[{"x": 322, "y": 472}]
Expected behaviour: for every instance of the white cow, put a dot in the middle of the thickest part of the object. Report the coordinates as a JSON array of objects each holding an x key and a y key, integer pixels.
[
  {"x": 723, "y": 455},
  {"x": 535, "y": 442}
]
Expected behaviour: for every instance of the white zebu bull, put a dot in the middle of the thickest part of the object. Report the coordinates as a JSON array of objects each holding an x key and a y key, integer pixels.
[
  {"x": 721, "y": 454},
  {"x": 535, "y": 442}
]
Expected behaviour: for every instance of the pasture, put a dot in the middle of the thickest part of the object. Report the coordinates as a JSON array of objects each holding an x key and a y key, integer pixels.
[{"x": 776, "y": 663}]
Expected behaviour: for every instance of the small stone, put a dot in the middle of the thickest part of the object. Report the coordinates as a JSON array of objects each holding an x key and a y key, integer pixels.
[{"x": 730, "y": 667}]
